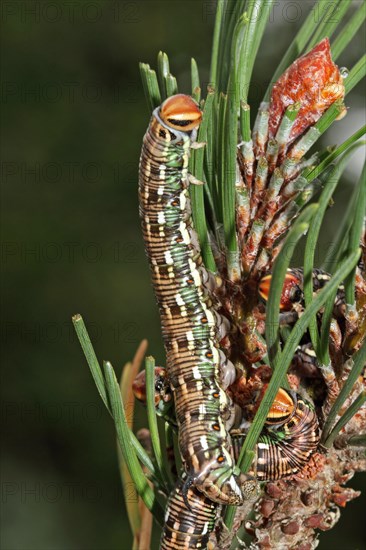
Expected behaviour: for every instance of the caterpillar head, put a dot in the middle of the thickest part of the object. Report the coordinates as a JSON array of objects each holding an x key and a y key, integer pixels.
[
  {"x": 291, "y": 292},
  {"x": 180, "y": 112},
  {"x": 282, "y": 409},
  {"x": 162, "y": 391}
]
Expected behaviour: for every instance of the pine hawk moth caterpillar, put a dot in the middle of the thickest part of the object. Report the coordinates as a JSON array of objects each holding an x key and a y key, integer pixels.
[
  {"x": 188, "y": 528},
  {"x": 190, "y": 323},
  {"x": 292, "y": 304},
  {"x": 292, "y": 295},
  {"x": 289, "y": 438}
]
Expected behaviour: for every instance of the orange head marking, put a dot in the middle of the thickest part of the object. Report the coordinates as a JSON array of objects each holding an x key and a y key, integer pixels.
[
  {"x": 264, "y": 286},
  {"x": 181, "y": 112},
  {"x": 288, "y": 296},
  {"x": 139, "y": 386},
  {"x": 283, "y": 407}
]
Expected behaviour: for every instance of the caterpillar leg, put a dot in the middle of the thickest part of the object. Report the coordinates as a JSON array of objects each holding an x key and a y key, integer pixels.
[{"x": 218, "y": 481}]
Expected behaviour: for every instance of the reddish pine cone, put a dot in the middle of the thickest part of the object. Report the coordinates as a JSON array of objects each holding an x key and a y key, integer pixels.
[{"x": 314, "y": 81}]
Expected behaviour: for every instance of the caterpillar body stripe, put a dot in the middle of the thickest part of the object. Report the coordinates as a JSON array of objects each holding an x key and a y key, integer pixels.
[
  {"x": 184, "y": 528},
  {"x": 190, "y": 324},
  {"x": 289, "y": 438}
]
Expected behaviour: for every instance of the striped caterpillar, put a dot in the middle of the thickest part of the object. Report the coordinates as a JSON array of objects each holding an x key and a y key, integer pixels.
[
  {"x": 292, "y": 304},
  {"x": 289, "y": 438},
  {"x": 185, "y": 529},
  {"x": 292, "y": 297},
  {"x": 191, "y": 326}
]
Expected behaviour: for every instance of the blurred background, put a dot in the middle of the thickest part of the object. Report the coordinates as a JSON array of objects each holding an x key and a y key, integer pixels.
[{"x": 73, "y": 120}]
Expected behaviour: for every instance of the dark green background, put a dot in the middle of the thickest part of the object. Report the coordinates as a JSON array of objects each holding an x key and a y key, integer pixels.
[{"x": 73, "y": 120}]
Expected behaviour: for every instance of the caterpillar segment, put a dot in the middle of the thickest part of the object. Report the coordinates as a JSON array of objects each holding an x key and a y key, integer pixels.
[
  {"x": 191, "y": 326},
  {"x": 285, "y": 447},
  {"x": 184, "y": 528},
  {"x": 289, "y": 438}
]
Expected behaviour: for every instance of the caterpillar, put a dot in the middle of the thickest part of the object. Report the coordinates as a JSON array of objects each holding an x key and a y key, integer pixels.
[
  {"x": 292, "y": 304},
  {"x": 289, "y": 438},
  {"x": 185, "y": 528},
  {"x": 292, "y": 297},
  {"x": 191, "y": 326}
]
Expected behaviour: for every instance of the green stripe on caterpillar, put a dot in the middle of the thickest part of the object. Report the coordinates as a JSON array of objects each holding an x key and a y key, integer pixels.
[
  {"x": 289, "y": 438},
  {"x": 190, "y": 323}
]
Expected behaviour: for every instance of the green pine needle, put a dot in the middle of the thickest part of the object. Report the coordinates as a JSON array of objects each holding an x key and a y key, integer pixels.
[
  {"x": 163, "y": 73},
  {"x": 313, "y": 173},
  {"x": 91, "y": 358},
  {"x": 250, "y": 32},
  {"x": 142, "y": 487},
  {"x": 151, "y": 86},
  {"x": 195, "y": 81},
  {"x": 216, "y": 43},
  {"x": 355, "y": 234},
  {"x": 349, "y": 31},
  {"x": 152, "y": 420},
  {"x": 309, "y": 255},
  {"x": 356, "y": 74},
  {"x": 197, "y": 191},
  {"x": 332, "y": 16},
  {"x": 350, "y": 412},
  {"x": 279, "y": 271},
  {"x": 359, "y": 361},
  {"x": 339, "y": 248}
]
